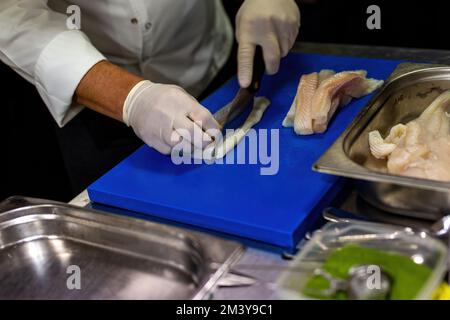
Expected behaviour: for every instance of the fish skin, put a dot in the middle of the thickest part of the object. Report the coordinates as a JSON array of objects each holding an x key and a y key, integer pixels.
[
  {"x": 319, "y": 95},
  {"x": 326, "y": 93},
  {"x": 339, "y": 90}
]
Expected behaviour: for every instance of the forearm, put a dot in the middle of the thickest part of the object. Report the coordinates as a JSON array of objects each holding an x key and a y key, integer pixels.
[{"x": 104, "y": 89}]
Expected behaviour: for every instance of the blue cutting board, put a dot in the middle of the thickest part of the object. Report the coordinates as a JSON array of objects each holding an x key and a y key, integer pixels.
[{"x": 237, "y": 199}]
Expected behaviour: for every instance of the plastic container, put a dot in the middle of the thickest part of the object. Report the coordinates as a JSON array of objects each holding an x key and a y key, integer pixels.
[{"x": 418, "y": 246}]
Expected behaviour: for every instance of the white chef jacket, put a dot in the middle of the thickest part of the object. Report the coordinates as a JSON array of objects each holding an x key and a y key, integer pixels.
[{"x": 182, "y": 42}]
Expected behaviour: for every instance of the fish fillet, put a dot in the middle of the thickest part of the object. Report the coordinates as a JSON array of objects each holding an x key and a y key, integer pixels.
[
  {"x": 339, "y": 90},
  {"x": 288, "y": 121},
  {"x": 328, "y": 95},
  {"x": 308, "y": 86},
  {"x": 260, "y": 105},
  {"x": 422, "y": 147},
  {"x": 319, "y": 95},
  {"x": 218, "y": 149},
  {"x": 307, "y": 82}
]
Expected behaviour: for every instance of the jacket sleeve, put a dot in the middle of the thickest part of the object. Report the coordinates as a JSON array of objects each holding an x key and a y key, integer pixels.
[{"x": 36, "y": 43}]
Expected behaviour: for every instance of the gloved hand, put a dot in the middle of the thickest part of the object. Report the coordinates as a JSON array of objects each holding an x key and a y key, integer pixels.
[
  {"x": 161, "y": 115},
  {"x": 272, "y": 24}
]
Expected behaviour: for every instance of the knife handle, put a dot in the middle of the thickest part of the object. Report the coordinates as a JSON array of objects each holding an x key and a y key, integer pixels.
[{"x": 258, "y": 70}]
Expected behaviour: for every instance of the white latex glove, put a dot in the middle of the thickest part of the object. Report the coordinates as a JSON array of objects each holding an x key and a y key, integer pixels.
[
  {"x": 162, "y": 114},
  {"x": 272, "y": 24}
]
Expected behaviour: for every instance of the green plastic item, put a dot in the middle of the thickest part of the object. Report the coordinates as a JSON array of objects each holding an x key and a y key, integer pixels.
[{"x": 408, "y": 277}]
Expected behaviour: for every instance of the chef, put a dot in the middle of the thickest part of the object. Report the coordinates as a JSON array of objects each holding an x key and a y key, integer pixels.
[{"x": 142, "y": 62}]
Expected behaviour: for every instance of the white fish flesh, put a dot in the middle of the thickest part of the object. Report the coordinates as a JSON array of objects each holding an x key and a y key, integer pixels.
[
  {"x": 260, "y": 105},
  {"x": 303, "y": 124},
  {"x": 300, "y": 109},
  {"x": 422, "y": 147},
  {"x": 319, "y": 95}
]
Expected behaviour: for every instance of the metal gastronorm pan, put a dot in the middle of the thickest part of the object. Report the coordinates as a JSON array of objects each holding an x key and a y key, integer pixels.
[
  {"x": 407, "y": 92},
  {"x": 43, "y": 243}
]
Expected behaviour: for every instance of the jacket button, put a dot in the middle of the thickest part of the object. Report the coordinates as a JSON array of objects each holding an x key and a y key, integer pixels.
[
  {"x": 148, "y": 25},
  {"x": 134, "y": 21}
]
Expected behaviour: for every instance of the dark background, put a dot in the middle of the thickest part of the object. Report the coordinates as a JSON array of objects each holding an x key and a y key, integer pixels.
[
  {"x": 419, "y": 24},
  {"x": 41, "y": 160}
]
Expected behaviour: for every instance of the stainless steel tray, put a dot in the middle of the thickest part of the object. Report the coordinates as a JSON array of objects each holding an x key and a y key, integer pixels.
[
  {"x": 408, "y": 91},
  {"x": 47, "y": 249}
]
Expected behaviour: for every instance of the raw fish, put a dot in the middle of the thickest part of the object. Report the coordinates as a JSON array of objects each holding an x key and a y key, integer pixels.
[
  {"x": 422, "y": 147},
  {"x": 260, "y": 105},
  {"x": 339, "y": 90},
  {"x": 301, "y": 106},
  {"x": 319, "y": 95},
  {"x": 303, "y": 124}
]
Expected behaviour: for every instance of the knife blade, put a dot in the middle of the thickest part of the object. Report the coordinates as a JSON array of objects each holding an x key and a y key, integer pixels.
[{"x": 244, "y": 96}]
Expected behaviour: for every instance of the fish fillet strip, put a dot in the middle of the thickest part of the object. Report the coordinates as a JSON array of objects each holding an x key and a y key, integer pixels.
[
  {"x": 303, "y": 124},
  {"x": 301, "y": 106},
  {"x": 218, "y": 150},
  {"x": 260, "y": 105},
  {"x": 422, "y": 147},
  {"x": 288, "y": 121},
  {"x": 319, "y": 95}
]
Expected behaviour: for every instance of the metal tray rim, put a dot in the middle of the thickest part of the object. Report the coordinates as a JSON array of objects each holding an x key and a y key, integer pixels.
[
  {"x": 11, "y": 208},
  {"x": 334, "y": 160}
]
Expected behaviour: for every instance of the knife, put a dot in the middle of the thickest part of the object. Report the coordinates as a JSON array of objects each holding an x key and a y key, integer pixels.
[{"x": 244, "y": 97}]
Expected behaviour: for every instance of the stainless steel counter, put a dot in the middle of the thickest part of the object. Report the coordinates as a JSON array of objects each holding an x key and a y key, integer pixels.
[{"x": 255, "y": 262}]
